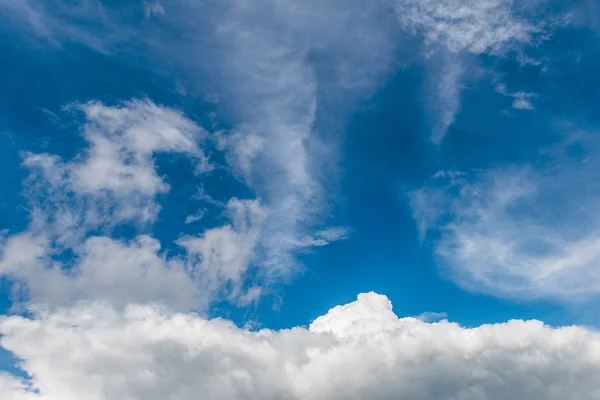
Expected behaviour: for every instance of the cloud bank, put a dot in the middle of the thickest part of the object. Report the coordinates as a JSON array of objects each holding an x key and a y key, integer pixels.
[{"x": 357, "y": 351}]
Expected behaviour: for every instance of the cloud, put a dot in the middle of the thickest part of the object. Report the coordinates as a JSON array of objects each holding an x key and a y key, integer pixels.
[
  {"x": 334, "y": 233},
  {"x": 521, "y": 99},
  {"x": 277, "y": 146},
  {"x": 222, "y": 255},
  {"x": 357, "y": 351},
  {"x": 265, "y": 65},
  {"x": 520, "y": 231},
  {"x": 197, "y": 216},
  {"x": 477, "y": 27},
  {"x": 445, "y": 95},
  {"x": 120, "y": 272},
  {"x": 25, "y": 12},
  {"x": 68, "y": 253},
  {"x": 457, "y": 30},
  {"x": 115, "y": 178}
]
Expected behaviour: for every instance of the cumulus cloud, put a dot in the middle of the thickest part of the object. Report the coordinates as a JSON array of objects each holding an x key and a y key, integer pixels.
[
  {"x": 223, "y": 254},
  {"x": 357, "y": 351},
  {"x": 520, "y": 231},
  {"x": 119, "y": 272},
  {"x": 68, "y": 253},
  {"x": 115, "y": 178}
]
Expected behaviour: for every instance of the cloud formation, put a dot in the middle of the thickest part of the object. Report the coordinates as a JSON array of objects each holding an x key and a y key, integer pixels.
[
  {"x": 520, "y": 231},
  {"x": 109, "y": 314},
  {"x": 69, "y": 253},
  {"x": 489, "y": 26},
  {"x": 453, "y": 32},
  {"x": 278, "y": 146},
  {"x": 357, "y": 351},
  {"x": 115, "y": 178}
]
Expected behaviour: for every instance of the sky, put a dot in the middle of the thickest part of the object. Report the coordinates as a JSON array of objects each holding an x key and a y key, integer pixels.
[{"x": 283, "y": 199}]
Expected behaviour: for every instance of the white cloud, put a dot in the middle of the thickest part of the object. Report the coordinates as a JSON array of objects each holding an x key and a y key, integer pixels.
[
  {"x": 222, "y": 255},
  {"x": 242, "y": 149},
  {"x": 268, "y": 76},
  {"x": 520, "y": 231},
  {"x": 67, "y": 254},
  {"x": 459, "y": 28},
  {"x": 115, "y": 178},
  {"x": 445, "y": 96},
  {"x": 357, "y": 351},
  {"x": 322, "y": 237},
  {"x": 197, "y": 216},
  {"x": 522, "y": 100},
  {"x": 202, "y": 195},
  {"x": 263, "y": 62},
  {"x": 473, "y": 26},
  {"x": 120, "y": 272}
]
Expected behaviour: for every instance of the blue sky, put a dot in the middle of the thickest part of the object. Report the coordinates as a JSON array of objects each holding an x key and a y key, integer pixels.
[{"x": 187, "y": 181}]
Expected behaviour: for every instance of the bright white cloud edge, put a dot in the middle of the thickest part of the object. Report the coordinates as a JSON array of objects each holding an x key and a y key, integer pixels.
[{"x": 359, "y": 350}]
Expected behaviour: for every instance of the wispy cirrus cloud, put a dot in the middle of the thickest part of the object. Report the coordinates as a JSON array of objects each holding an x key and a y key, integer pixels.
[
  {"x": 57, "y": 22},
  {"x": 453, "y": 31},
  {"x": 278, "y": 43},
  {"x": 520, "y": 231},
  {"x": 268, "y": 58},
  {"x": 477, "y": 27}
]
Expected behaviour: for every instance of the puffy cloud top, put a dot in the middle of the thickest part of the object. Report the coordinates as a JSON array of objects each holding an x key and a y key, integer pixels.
[{"x": 356, "y": 351}]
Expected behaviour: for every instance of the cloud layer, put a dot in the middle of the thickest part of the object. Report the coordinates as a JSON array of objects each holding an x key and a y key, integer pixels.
[{"x": 357, "y": 351}]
